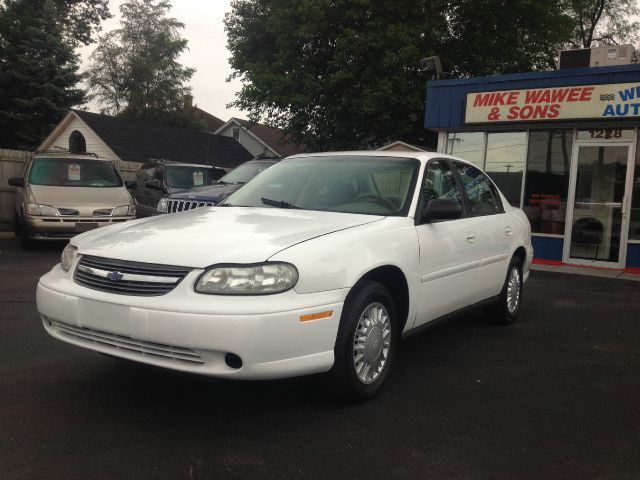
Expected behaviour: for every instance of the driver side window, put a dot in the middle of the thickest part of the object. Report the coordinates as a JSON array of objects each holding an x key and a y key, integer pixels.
[{"x": 439, "y": 182}]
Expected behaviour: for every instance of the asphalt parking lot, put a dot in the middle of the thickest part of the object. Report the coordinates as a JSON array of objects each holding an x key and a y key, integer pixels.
[{"x": 556, "y": 395}]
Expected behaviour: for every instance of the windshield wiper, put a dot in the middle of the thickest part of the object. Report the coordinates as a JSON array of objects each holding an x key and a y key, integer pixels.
[{"x": 278, "y": 203}]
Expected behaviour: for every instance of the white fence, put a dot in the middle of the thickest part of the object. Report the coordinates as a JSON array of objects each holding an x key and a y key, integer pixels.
[{"x": 12, "y": 163}]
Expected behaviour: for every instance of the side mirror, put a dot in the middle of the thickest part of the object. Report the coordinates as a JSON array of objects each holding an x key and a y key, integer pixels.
[
  {"x": 153, "y": 184},
  {"x": 130, "y": 185},
  {"x": 16, "y": 182},
  {"x": 441, "y": 209}
]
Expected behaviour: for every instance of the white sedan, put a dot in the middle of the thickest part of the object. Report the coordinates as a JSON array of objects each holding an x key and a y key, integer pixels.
[{"x": 322, "y": 263}]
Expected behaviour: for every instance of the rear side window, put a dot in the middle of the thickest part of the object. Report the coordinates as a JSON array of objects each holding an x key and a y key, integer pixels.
[{"x": 483, "y": 196}]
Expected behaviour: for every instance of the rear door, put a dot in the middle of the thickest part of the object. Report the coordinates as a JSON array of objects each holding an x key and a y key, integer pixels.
[
  {"x": 493, "y": 231},
  {"x": 448, "y": 253}
]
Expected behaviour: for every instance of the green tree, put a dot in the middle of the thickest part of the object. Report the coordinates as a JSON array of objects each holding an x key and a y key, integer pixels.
[
  {"x": 346, "y": 74},
  {"x": 135, "y": 71},
  {"x": 491, "y": 37},
  {"x": 334, "y": 73},
  {"x": 603, "y": 22},
  {"x": 39, "y": 71}
]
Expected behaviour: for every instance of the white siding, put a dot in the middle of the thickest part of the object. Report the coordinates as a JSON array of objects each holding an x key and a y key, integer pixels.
[
  {"x": 247, "y": 141},
  {"x": 94, "y": 143}
]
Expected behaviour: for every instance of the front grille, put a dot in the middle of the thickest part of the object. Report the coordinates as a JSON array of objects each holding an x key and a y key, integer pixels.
[
  {"x": 174, "y": 206},
  {"x": 103, "y": 212},
  {"x": 122, "y": 343},
  {"x": 127, "y": 278},
  {"x": 68, "y": 211}
]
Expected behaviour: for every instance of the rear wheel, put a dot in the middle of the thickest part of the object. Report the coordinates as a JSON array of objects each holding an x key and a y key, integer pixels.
[
  {"x": 507, "y": 308},
  {"x": 366, "y": 342}
]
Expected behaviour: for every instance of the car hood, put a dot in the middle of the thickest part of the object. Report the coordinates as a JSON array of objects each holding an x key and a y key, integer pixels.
[
  {"x": 210, "y": 193},
  {"x": 206, "y": 236},
  {"x": 80, "y": 197}
]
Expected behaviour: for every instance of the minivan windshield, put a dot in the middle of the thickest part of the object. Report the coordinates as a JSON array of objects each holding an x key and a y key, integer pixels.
[
  {"x": 244, "y": 172},
  {"x": 342, "y": 183},
  {"x": 189, "y": 177},
  {"x": 74, "y": 172}
]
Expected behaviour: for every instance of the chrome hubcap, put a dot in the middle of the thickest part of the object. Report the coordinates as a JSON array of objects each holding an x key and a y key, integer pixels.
[
  {"x": 371, "y": 343},
  {"x": 513, "y": 290}
]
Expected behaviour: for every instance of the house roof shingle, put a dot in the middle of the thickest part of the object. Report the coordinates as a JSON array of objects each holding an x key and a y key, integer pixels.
[
  {"x": 139, "y": 141},
  {"x": 213, "y": 122}
]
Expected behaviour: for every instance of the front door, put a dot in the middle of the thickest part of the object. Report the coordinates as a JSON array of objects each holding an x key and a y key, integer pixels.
[
  {"x": 597, "y": 210},
  {"x": 448, "y": 252}
]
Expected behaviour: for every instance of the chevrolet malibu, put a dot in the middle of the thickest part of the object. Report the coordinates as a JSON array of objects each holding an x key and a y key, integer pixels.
[{"x": 321, "y": 264}]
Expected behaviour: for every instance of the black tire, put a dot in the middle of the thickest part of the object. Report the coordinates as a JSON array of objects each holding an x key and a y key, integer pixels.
[
  {"x": 504, "y": 312},
  {"x": 344, "y": 381},
  {"x": 25, "y": 242},
  {"x": 17, "y": 225}
]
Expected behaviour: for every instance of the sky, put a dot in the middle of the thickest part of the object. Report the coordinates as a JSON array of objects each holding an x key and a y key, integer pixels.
[{"x": 204, "y": 29}]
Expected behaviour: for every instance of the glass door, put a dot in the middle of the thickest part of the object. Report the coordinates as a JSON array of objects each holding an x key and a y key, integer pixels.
[{"x": 597, "y": 224}]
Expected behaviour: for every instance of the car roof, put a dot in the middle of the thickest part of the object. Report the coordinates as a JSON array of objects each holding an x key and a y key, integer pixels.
[
  {"x": 262, "y": 160},
  {"x": 156, "y": 162},
  {"x": 422, "y": 156},
  {"x": 196, "y": 165},
  {"x": 78, "y": 156}
]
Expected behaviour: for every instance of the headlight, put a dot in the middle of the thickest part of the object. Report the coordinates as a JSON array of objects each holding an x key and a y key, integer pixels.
[
  {"x": 124, "y": 211},
  {"x": 68, "y": 256},
  {"x": 40, "y": 210},
  {"x": 248, "y": 279},
  {"x": 162, "y": 205}
]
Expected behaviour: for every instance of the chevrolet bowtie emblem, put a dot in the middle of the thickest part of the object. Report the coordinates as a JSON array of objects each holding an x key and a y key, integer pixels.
[{"x": 115, "y": 276}]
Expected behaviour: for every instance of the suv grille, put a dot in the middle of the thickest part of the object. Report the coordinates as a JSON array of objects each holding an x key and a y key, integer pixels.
[
  {"x": 174, "y": 206},
  {"x": 127, "y": 278}
]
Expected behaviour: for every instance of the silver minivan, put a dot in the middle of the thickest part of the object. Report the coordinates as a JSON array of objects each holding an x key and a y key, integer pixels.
[{"x": 62, "y": 194}]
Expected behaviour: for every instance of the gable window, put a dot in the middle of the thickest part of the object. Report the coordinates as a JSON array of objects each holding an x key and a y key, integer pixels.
[
  {"x": 77, "y": 143},
  {"x": 236, "y": 133}
]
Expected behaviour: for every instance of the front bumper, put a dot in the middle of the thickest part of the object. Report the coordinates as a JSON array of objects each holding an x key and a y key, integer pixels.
[
  {"x": 44, "y": 228},
  {"x": 192, "y": 332}
]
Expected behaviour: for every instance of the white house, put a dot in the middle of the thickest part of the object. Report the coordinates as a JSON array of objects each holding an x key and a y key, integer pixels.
[
  {"x": 125, "y": 140},
  {"x": 260, "y": 139}
]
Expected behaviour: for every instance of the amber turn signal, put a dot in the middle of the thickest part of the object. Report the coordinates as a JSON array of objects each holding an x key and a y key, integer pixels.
[{"x": 316, "y": 316}]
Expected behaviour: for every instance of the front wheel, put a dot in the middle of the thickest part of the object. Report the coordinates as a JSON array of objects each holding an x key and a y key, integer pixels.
[
  {"x": 506, "y": 310},
  {"x": 366, "y": 342}
]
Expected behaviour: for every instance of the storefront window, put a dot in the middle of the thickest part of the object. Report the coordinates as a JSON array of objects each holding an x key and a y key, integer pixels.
[
  {"x": 547, "y": 180},
  {"x": 467, "y": 145},
  {"x": 634, "y": 225},
  {"x": 505, "y": 161}
]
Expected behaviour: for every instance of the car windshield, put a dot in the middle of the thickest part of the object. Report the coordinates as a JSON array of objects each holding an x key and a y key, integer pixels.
[
  {"x": 189, "y": 177},
  {"x": 244, "y": 173},
  {"x": 74, "y": 172},
  {"x": 341, "y": 183}
]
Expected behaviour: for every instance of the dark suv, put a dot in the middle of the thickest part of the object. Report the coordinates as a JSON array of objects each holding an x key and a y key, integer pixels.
[
  {"x": 159, "y": 178},
  {"x": 214, "y": 194}
]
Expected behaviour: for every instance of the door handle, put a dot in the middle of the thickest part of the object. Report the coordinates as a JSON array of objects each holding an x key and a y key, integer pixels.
[
  {"x": 508, "y": 231},
  {"x": 471, "y": 237}
]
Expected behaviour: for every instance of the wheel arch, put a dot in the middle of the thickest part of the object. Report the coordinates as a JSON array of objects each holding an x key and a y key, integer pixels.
[
  {"x": 520, "y": 253},
  {"x": 393, "y": 278}
]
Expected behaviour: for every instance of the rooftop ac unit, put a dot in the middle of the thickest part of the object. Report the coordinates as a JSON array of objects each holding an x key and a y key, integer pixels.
[{"x": 597, "y": 56}]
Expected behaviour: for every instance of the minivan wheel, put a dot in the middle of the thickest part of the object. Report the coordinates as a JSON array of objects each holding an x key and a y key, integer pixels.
[
  {"x": 17, "y": 225},
  {"x": 507, "y": 308},
  {"x": 366, "y": 342}
]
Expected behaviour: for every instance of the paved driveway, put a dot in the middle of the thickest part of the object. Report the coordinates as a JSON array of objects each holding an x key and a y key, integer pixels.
[{"x": 556, "y": 395}]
